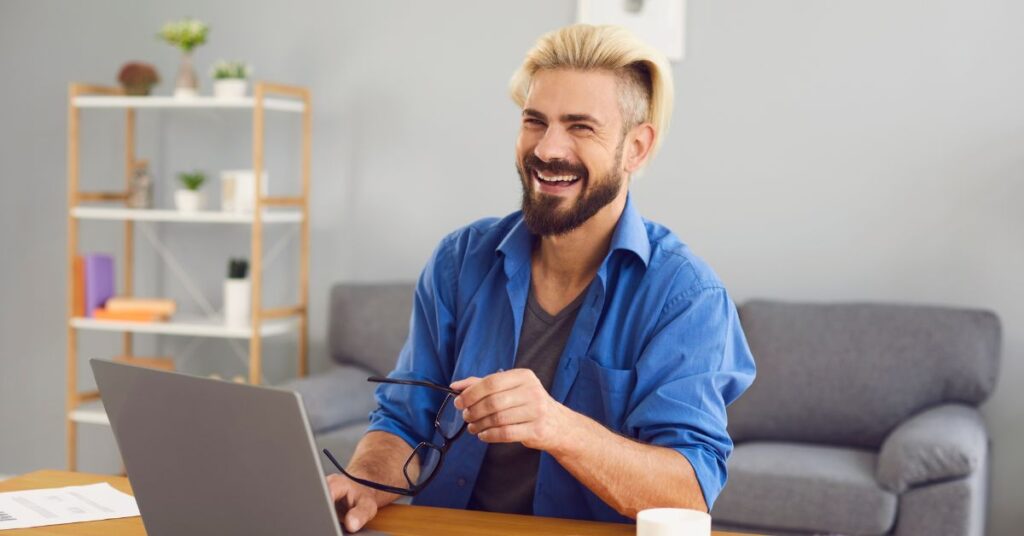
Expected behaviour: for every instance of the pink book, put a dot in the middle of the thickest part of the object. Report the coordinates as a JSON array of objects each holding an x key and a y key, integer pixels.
[{"x": 99, "y": 281}]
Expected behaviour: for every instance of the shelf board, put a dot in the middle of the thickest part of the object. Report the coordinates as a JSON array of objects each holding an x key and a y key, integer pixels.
[
  {"x": 191, "y": 326},
  {"x": 201, "y": 102},
  {"x": 203, "y": 216},
  {"x": 91, "y": 412}
]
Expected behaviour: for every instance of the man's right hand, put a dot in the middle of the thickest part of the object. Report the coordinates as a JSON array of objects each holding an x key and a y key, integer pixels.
[
  {"x": 379, "y": 457},
  {"x": 356, "y": 502}
]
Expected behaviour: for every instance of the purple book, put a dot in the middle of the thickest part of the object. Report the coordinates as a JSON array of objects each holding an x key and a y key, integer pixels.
[{"x": 99, "y": 281}]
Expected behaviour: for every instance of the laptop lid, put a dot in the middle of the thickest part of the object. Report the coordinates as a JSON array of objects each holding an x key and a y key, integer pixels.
[{"x": 206, "y": 456}]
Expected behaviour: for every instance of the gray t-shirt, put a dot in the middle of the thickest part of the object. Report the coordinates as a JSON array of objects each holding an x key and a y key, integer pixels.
[{"x": 509, "y": 471}]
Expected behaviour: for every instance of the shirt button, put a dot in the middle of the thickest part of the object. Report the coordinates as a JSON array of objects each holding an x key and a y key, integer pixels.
[{"x": 461, "y": 482}]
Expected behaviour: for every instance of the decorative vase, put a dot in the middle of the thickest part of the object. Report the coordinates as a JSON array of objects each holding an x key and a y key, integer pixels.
[
  {"x": 187, "y": 84},
  {"x": 237, "y": 312},
  {"x": 188, "y": 200},
  {"x": 229, "y": 88}
]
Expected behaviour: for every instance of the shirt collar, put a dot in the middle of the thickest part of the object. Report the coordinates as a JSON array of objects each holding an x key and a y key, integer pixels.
[{"x": 630, "y": 235}]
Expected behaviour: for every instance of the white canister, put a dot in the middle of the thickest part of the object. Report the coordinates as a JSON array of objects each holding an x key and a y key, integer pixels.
[
  {"x": 237, "y": 190},
  {"x": 237, "y": 294},
  {"x": 673, "y": 522}
]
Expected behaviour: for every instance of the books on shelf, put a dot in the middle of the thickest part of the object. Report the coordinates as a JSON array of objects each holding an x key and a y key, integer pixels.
[
  {"x": 125, "y": 308},
  {"x": 98, "y": 284},
  {"x": 128, "y": 304},
  {"x": 128, "y": 316}
]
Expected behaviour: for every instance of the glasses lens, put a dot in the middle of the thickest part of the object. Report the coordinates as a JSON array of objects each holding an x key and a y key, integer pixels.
[
  {"x": 430, "y": 459},
  {"x": 449, "y": 419}
]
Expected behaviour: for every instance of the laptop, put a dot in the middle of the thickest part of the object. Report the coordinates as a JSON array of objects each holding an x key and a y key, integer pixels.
[{"x": 207, "y": 456}]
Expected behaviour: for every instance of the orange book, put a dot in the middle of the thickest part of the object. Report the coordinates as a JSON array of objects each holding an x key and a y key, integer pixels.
[
  {"x": 78, "y": 288},
  {"x": 103, "y": 314},
  {"x": 128, "y": 304}
]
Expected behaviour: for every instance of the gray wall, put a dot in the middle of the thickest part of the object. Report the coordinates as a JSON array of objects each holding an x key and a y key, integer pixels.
[{"x": 844, "y": 150}]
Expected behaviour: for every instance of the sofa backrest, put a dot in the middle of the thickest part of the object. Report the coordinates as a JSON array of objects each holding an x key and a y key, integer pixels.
[
  {"x": 368, "y": 324},
  {"x": 847, "y": 374}
]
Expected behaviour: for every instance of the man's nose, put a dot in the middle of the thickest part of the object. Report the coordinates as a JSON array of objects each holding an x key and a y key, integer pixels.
[{"x": 555, "y": 145}]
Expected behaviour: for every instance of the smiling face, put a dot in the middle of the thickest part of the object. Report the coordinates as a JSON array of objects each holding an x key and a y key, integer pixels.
[{"x": 569, "y": 153}]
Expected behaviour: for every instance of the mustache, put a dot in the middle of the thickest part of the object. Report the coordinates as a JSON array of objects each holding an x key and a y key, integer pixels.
[{"x": 554, "y": 167}]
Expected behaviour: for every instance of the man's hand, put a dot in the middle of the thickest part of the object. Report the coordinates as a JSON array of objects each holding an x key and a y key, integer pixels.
[
  {"x": 356, "y": 502},
  {"x": 512, "y": 407},
  {"x": 379, "y": 457}
]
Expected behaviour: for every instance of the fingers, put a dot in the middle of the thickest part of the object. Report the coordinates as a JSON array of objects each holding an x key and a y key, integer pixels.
[
  {"x": 464, "y": 383},
  {"x": 499, "y": 381},
  {"x": 363, "y": 511},
  {"x": 495, "y": 403},
  {"x": 339, "y": 486},
  {"x": 358, "y": 503},
  {"x": 516, "y": 415}
]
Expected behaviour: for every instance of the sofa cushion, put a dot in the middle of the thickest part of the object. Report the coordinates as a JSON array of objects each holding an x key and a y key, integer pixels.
[
  {"x": 796, "y": 487},
  {"x": 940, "y": 444},
  {"x": 369, "y": 323},
  {"x": 336, "y": 398},
  {"x": 847, "y": 374}
]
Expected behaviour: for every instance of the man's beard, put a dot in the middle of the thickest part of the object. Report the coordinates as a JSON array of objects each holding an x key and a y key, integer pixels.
[{"x": 540, "y": 210}]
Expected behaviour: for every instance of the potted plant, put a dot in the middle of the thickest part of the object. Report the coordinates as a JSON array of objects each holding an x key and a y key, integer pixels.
[
  {"x": 189, "y": 198},
  {"x": 229, "y": 79},
  {"x": 137, "y": 78},
  {"x": 186, "y": 34}
]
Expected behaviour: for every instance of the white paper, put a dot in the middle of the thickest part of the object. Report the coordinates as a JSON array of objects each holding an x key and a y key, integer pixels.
[{"x": 71, "y": 504}]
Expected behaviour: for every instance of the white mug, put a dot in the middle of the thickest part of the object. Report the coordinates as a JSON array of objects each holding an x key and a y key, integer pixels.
[{"x": 673, "y": 522}]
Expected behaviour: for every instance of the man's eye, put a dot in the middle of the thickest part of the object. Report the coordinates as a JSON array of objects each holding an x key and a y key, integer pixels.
[
  {"x": 534, "y": 122},
  {"x": 581, "y": 127}
]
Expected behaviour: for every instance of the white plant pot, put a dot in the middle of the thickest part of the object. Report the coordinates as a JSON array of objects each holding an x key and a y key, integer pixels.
[
  {"x": 237, "y": 302},
  {"x": 229, "y": 88},
  {"x": 188, "y": 200}
]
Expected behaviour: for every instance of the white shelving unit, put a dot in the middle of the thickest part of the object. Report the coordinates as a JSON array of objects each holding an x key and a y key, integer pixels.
[
  {"x": 90, "y": 413},
  {"x": 205, "y": 216},
  {"x": 86, "y": 407},
  {"x": 245, "y": 103},
  {"x": 194, "y": 327}
]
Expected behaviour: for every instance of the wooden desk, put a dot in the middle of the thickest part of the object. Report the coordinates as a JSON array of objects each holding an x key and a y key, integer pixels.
[{"x": 396, "y": 519}]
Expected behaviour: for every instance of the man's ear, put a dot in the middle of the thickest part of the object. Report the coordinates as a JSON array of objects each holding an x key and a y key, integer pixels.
[{"x": 639, "y": 142}]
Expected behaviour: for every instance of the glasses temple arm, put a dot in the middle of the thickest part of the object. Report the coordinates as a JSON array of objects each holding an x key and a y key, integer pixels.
[
  {"x": 443, "y": 389},
  {"x": 368, "y": 483}
]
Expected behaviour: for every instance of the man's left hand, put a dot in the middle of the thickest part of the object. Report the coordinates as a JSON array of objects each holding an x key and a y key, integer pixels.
[{"x": 512, "y": 407}]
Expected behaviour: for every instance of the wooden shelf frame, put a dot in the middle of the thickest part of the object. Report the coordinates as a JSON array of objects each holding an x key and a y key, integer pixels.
[{"x": 264, "y": 322}]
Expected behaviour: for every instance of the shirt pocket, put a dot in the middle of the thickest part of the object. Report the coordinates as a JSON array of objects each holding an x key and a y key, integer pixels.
[{"x": 602, "y": 393}]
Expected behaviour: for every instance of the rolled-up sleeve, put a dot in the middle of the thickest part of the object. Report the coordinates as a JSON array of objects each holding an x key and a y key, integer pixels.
[
  {"x": 696, "y": 363},
  {"x": 406, "y": 411}
]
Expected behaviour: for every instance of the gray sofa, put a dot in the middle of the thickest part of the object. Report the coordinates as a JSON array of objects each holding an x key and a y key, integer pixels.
[
  {"x": 862, "y": 419},
  {"x": 367, "y": 326}
]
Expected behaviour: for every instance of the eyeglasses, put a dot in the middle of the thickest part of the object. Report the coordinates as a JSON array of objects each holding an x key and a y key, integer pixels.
[{"x": 448, "y": 423}]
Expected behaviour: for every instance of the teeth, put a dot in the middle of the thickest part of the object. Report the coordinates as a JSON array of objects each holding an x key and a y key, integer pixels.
[{"x": 558, "y": 178}]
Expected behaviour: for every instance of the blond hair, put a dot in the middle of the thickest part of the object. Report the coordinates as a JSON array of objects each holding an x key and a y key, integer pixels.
[{"x": 645, "y": 78}]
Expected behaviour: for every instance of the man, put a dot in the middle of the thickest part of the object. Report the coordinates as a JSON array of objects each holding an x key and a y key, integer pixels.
[{"x": 592, "y": 353}]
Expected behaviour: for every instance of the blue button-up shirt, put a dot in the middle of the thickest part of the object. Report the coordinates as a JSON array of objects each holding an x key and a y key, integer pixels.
[{"x": 656, "y": 354}]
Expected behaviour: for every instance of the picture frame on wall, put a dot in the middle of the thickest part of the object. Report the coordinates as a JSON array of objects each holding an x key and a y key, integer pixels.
[{"x": 660, "y": 23}]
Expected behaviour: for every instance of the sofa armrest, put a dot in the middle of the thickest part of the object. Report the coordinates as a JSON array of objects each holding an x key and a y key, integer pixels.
[
  {"x": 941, "y": 443},
  {"x": 336, "y": 398}
]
